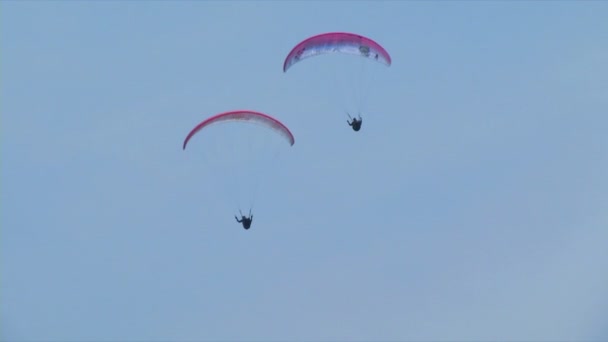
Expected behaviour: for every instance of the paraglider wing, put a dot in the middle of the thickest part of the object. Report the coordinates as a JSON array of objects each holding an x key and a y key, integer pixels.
[
  {"x": 340, "y": 42},
  {"x": 244, "y": 115}
]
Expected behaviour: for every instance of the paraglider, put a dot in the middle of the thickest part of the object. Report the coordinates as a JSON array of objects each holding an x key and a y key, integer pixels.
[
  {"x": 354, "y": 123},
  {"x": 245, "y": 147},
  {"x": 340, "y": 43},
  {"x": 246, "y": 221}
]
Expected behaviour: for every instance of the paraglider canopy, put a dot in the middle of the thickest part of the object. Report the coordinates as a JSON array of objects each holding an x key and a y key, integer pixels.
[
  {"x": 244, "y": 115},
  {"x": 340, "y": 42}
]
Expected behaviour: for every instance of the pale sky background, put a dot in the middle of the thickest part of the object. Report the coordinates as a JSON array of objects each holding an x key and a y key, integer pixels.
[{"x": 473, "y": 204}]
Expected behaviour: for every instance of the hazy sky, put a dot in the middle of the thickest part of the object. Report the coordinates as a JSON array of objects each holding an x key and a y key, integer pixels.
[{"x": 472, "y": 205}]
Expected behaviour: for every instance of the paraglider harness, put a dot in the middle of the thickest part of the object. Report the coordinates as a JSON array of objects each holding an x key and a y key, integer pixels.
[
  {"x": 246, "y": 221},
  {"x": 355, "y": 124}
]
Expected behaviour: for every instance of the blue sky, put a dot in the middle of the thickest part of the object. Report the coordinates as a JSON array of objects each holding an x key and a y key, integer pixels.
[{"x": 473, "y": 204}]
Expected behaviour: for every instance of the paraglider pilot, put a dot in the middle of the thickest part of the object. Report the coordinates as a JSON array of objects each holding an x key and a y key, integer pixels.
[
  {"x": 355, "y": 124},
  {"x": 246, "y": 221}
]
